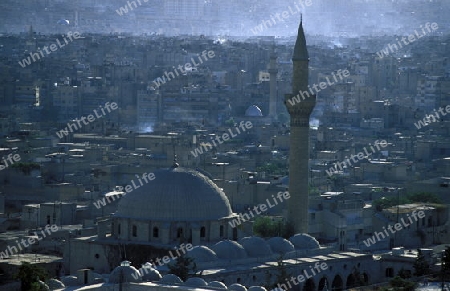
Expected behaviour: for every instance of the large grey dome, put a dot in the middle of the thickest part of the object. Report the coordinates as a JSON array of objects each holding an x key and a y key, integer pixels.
[{"x": 175, "y": 194}]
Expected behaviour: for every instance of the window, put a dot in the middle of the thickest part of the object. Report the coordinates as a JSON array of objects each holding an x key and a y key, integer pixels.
[
  {"x": 155, "y": 232},
  {"x": 390, "y": 272},
  {"x": 118, "y": 228},
  {"x": 202, "y": 231},
  {"x": 179, "y": 232},
  {"x": 221, "y": 231},
  {"x": 134, "y": 231}
]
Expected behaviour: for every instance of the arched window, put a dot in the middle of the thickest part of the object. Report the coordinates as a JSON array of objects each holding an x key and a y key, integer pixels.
[
  {"x": 202, "y": 231},
  {"x": 134, "y": 231},
  {"x": 155, "y": 232},
  {"x": 221, "y": 231}
]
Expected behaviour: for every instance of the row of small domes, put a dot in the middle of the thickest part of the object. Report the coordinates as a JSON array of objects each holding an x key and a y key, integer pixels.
[{"x": 252, "y": 247}]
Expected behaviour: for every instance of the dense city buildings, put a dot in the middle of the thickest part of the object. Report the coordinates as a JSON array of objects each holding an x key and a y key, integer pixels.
[{"x": 159, "y": 146}]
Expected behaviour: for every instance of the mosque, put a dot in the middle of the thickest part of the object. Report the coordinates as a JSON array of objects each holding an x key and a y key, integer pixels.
[{"x": 183, "y": 206}]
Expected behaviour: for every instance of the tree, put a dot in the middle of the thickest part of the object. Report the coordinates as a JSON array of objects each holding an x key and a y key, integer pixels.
[
  {"x": 421, "y": 266},
  {"x": 266, "y": 226},
  {"x": 281, "y": 275},
  {"x": 29, "y": 275},
  {"x": 402, "y": 284},
  {"x": 182, "y": 267}
]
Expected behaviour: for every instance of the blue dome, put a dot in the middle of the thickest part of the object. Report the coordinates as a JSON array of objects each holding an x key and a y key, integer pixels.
[{"x": 253, "y": 111}]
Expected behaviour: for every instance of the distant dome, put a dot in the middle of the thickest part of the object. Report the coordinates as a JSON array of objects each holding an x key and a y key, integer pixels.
[
  {"x": 217, "y": 284},
  {"x": 253, "y": 111},
  {"x": 257, "y": 288},
  {"x": 229, "y": 250},
  {"x": 237, "y": 287},
  {"x": 125, "y": 274},
  {"x": 54, "y": 284},
  {"x": 176, "y": 194},
  {"x": 195, "y": 282},
  {"x": 149, "y": 274},
  {"x": 280, "y": 245},
  {"x": 202, "y": 254},
  {"x": 303, "y": 241},
  {"x": 255, "y": 246},
  {"x": 170, "y": 279},
  {"x": 63, "y": 22}
]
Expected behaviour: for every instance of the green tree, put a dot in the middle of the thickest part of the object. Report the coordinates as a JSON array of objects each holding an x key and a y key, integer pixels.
[
  {"x": 421, "y": 266},
  {"x": 266, "y": 226},
  {"x": 399, "y": 283},
  {"x": 404, "y": 274},
  {"x": 182, "y": 267},
  {"x": 424, "y": 197},
  {"x": 29, "y": 275},
  {"x": 282, "y": 273}
]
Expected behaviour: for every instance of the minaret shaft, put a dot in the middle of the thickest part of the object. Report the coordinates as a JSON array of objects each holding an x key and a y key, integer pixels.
[{"x": 299, "y": 138}]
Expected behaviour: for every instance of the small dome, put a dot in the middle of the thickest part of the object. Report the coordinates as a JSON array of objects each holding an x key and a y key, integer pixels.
[
  {"x": 229, "y": 250},
  {"x": 237, "y": 287},
  {"x": 253, "y": 111},
  {"x": 280, "y": 245},
  {"x": 54, "y": 284},
  {"x": 63, "y": 22},
  {"x": 70, "y": 281},
  {"x": 149, "y": 274},
  {"x": 217, "y": 284},
  {"x": 125, "y": 274},
  {"x": 257, "y": 288},
  {"x": 170, "y": 279},
  {"x": 195, "y": 282},
  {"x": 202, "y": 254},
  {"x": 303, "y": 241},
  {"x": 255, "y": 246}
]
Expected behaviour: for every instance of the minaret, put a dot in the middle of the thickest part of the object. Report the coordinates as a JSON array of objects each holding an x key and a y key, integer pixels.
[
  {"x": 273, "y": 71},
  {"x": 299, "y": 139}
]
